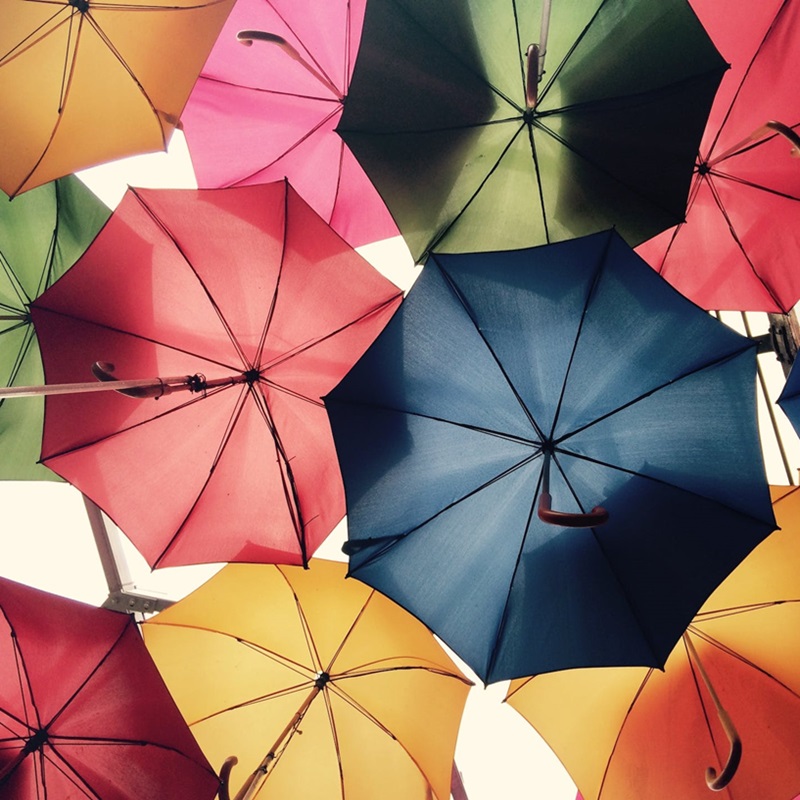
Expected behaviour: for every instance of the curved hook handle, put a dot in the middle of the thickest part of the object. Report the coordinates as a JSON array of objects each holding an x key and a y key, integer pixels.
[
  {"x": 532, "y": 75},
  {"x": 597, "y": 516},
  {"x": 717, "y": 782},
  {"x": 102, "y": 371},
  {"x": 565, "y": 519},
  {"x": 787, "y": 133},
  {"x": 225, "y": 777}
]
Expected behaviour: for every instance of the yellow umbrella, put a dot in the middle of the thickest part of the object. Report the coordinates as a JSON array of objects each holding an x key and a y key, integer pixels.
[
  {"x": 724, "y": 713},
  {"x": 83, "y": 82},
  {"x": 321, "y": 687}
]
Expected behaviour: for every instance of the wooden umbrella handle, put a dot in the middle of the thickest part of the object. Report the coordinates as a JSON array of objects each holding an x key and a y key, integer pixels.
[{"x": 718, "y": 781}]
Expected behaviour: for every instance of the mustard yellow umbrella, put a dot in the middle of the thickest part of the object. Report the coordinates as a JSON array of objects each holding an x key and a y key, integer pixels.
[
  {"x": 83, "y": 82},
  {"x": 724, "y": 712},
  {"x": 321, "y": 687}
]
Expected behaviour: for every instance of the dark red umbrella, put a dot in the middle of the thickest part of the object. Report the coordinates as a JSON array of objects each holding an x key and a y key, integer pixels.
[
  {"x": 260, "y": 309},
  {"x": 259, "y": 113},
  {"x": 84, "y": 712},
  {"x": 739, "y": 246}
]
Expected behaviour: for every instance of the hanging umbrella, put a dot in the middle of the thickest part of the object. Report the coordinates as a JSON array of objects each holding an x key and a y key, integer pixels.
[
  {"x": 471, "y": 153},
  {"x": 625, "y": 733},
  {"x": 87, "y": 81},
  {"x": 83, "y": 710},
  {"x": 259, "y": 113},
  {"x": 41, "y": 235},
  {"x": 320, "y": 687},
  {"x": 259, "y": 308},
  {"x": 550, "y": 457},
  {"x": 739, "y": 246}
]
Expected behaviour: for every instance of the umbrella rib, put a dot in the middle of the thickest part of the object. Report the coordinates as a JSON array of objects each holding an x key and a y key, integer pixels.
[
  {"x": 313, "y": 652},
  {"x": 748, "y": 345},
  {"x": 464, "y": 304},
  {"x": 639, "y": 690},
  {"x": 118, "y": 432},
  {"x": 634, "y": 473},
  {"x": 718, "y": 201},
  {"x": 231, "y": 424},
  {"x": 334, "y": 688},
  {"x": 16, "y": 285},
  {"x": 310, "y": 56},
  {"x": 706, "y": 637},
  {"x": 442, "y": 232},
  {"x": 23, "y": 680},
  {"x": 652, "y": 94},
  {"x": 66, "y": 79},
  {"x": 387, "y": 542},
  {"x": 306, "y": 135},
  {"x": 466, "y": 65},
  {"x": 141, "y": 337},
  {"x": 305, "y": 346},
  {"x": 272, "y": 92},
  {"x": 732, "y": 611},
  {"x": 212, "y": 302},
  {"x": 274, "y": 298},
  {"x": 37, "y": 34},
  {"x": 601, "y": 262},
  {"x": 746, "y": 74},
  {"x": 19, "y": 359},
  {"x": 287, "y": 476},
  {"x": 126, "y": 626}
]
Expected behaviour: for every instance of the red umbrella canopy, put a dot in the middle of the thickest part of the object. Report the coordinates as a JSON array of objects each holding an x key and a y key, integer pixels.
[
  {"x": 247, "y": 291},
  {"x": 740, "y": 244},
  {"x": 261, "y": 112},
  {"x": 84, "y": 712}
]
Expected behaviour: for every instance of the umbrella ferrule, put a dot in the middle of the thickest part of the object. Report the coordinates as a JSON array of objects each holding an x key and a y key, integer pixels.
[{"x": 35, "y": 742}]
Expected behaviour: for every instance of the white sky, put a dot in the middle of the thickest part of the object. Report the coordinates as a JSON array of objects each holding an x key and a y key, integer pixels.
[{"x": 499, "y": 754}]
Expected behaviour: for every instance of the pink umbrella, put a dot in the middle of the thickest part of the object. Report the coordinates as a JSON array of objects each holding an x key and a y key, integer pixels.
[
  {"x": 740, "y": 244},
  {"x": 261, "y": 113}
]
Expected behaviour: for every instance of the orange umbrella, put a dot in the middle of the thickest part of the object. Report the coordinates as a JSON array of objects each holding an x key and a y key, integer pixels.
[
  {"x": 87, "y": 81},
  {"x": 320, "y": 686},
  {"x": 728, "y": 700}
]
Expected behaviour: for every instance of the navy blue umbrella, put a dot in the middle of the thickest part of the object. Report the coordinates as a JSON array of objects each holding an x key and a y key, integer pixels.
[
  {"x": 789, "y": 399},
  {"x": 551, "y": 457}
]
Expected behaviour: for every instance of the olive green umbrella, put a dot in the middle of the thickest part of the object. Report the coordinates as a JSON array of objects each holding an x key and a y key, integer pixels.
[
  {"x": 42, "y": 233},
  {"x": 471, "y": 151}
]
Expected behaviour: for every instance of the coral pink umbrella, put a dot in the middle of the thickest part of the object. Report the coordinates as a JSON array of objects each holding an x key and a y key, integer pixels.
[
  {"x": 259, "y": 309},
  {"x": 740, "y": 244},
  {"x": 267, "y": 111},
  {"x": 84, "y": 712}
]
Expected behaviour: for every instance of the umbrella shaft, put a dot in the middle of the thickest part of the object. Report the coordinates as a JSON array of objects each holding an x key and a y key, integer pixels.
[{"x": 170, "y": 384}]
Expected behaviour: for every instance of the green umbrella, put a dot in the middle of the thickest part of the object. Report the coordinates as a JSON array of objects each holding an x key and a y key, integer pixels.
[
  {"x": 42, "y": 233},
  {"x": 467, "y": 160}
]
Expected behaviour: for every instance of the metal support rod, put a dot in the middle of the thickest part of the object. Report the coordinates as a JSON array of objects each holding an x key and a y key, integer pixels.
[{"x": 770, "y": 410}]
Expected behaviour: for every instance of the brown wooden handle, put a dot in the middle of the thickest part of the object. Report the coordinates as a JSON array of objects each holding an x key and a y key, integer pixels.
[{"x": 565, "y": 519}]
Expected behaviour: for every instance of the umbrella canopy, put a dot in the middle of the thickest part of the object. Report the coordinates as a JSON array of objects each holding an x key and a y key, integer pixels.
[
  {"x": 445, "y": 115},
  {"x": 41, "y": 235},
  {"x": 261, "y": 654},
  {"x": 262, "y": 308},
  {"x": 569, "y": 376},
  {"x": 739, "y": 246},
  {"x": 629, "y": 733},
  {"x": 83, "y": 710},
  {"x": 87, "y": 81},
  {"x": 259, "y": 113}
]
